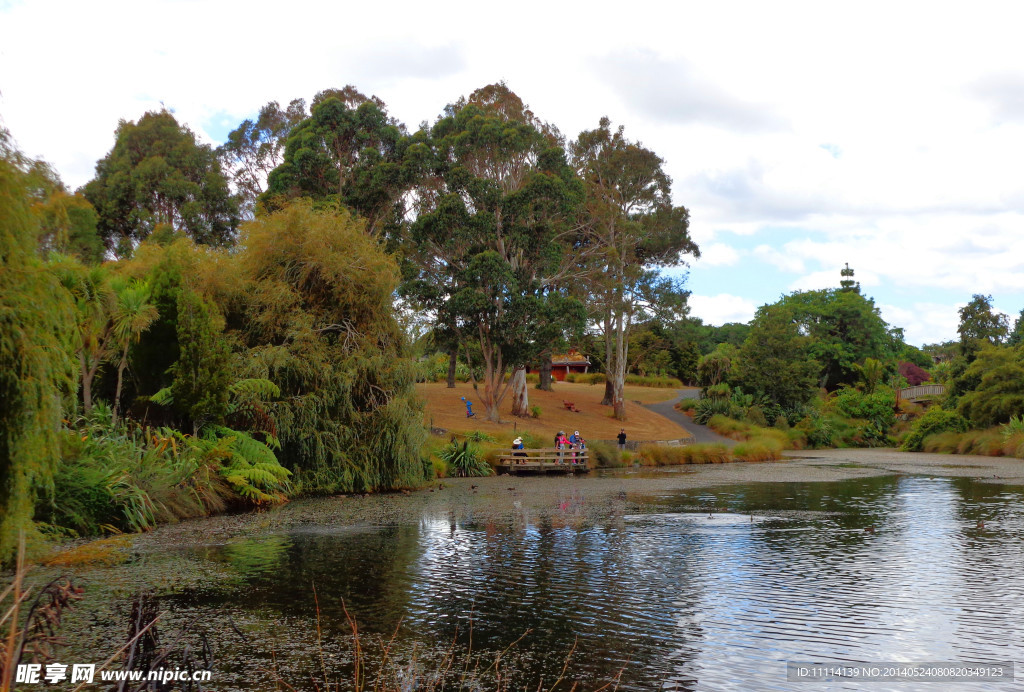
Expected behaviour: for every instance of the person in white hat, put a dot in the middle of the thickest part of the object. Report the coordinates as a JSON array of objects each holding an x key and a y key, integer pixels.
[{"x": 517, "y": 444}]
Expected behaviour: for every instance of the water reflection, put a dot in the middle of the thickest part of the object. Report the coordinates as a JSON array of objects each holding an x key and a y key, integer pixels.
[{"x": 709, "y": 589}]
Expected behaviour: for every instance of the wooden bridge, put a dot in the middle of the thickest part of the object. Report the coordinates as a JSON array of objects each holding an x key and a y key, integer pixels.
[
  {"x": 922, "y": 392},
  {"x": 545, "y": 461}
]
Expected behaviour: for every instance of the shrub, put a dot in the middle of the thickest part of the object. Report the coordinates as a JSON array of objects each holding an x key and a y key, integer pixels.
[
  {"x": 941, "y": 443},
  {"x": 1013, "y": 445},
  {"x": 934, "y": 421},
  {"x": 531, "y": 441},
  {"x": 606, "y": 455},
  {"x": 755, "y": 416},
  {"x": 758, "y": 449},
  {"x": 659, "y": 382},
  {"x": 1015, "y": 426},
  {"x": 585, "y": 378},
  {"x": 687, "y": 404},
  {"x": 819, "y": 431},
  {"x": 706, "y": 408},
  {"x": 878, "y": 407},
  {"x": 663, "y": 455},
  {"x": 535, "y": 411},
  {"x": 464, "y": 459},
  {"x": 479, "y": 436}
]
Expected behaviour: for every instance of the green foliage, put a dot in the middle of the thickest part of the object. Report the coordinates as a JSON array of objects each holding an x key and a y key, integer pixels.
[
  {"x": 157, "y": 173},
  {"x": 201, "y": 375},
  {"x": 687, "y": 404},
  {"x": 479, "y": 436},
  {"x": 349, "y": 151},
  {"x": 1016, "y": 337},
  {"x": 535, "y": 411},
  {"x": 36, "y": 331},
  {"x": 249, "y": 466},
  {"x": 464, "y": 459},
  {"x": 605, "y": 455},
  {"x": 878, "y": 408},
  {"x": 843, "y": 328},
  {"x": 934, "y": 421},
  {"x": 998, "y": 394},
  {"x": 758, "y": 449},
  {"x": 708, "y": 407},
  {"x": 663, "y": 455},
  {"x": 819, "y": 431},
  {"x": 314, "y": 309},
  {"x": 980, "y": 324},
  {"x": 68, "y": 226},
  {"x": 777, "y": 361},
  {"x": 1014, "y": 426},
  {"x": 255, "y": 148}
]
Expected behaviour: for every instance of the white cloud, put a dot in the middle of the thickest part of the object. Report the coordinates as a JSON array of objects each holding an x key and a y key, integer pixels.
[
  {"x": 923, "y": 322},
  {"x": 718, "y": 255},
  {"x": 722, "y": 308},
  {"x": 781, "y": 260}
]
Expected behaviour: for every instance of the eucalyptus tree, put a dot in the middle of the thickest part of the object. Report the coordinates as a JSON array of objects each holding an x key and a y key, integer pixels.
[
  {"x": 348, "y": 151},
  {"x": 158, "y": 173},
  {"x": 629, "y": 226},
  {"x": 256, "y": 147},
  {"x": 494, "y": 238}
]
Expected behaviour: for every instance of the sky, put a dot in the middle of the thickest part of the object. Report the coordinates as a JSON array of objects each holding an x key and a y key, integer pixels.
[{"x": 801, "y": 136}]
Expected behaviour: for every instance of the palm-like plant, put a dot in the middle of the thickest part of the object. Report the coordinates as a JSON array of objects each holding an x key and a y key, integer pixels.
[{"x": 133, "y": 313}]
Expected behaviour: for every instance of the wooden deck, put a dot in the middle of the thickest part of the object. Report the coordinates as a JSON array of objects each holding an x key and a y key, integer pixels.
[{"x": 549, "y": 460}]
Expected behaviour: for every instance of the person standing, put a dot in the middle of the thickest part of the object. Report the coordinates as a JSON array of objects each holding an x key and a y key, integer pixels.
[{"x": 622, "y": 439}]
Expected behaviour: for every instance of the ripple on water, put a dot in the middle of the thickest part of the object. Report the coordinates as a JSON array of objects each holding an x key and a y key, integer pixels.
[{"x": 672, "y": 597}]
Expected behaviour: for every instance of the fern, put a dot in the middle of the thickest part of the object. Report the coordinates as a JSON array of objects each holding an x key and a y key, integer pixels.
[{"x": 251, "y": 468}]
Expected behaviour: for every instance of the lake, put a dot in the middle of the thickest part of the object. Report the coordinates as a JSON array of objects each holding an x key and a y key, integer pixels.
[{"x": 627, "y": 579}]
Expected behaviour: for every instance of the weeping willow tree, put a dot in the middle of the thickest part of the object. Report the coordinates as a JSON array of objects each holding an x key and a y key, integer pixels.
[
  {"x": 314, "y": 307},
  {"x": 36, "y": 323}
]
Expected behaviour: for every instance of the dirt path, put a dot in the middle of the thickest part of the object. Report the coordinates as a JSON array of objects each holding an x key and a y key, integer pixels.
[{"x": 701, "y": 433}]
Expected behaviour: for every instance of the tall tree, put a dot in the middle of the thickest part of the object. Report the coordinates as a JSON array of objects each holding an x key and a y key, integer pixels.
[
  {"x": 349, "y": 151},
  {"x": 256, "y": 147},
  {"x": 157, "y": 173},
  {"x": 629, "y": 225},
  {"x": 1016, "y": 337},
  {"x": 980, "y": 324},
  {"x": 493, "y": 245},
  {"x": 777, "y": 360},
  {"x": 845, "y": 328}
]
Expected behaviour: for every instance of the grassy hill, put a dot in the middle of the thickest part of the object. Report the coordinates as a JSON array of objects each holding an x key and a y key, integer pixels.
[{"x": 446, "y": 410}]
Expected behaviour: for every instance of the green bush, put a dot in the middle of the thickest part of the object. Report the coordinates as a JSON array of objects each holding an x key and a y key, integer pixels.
[
  {"x": 708, "y": 407},
  {"x": 663, "y": 455},
  {"x": 934, "y": 421},
  {"x": 687, "y": 404},
  {"x": 464, "y": 459},
  {"x": 535, "y": 411},
  {"x": 878, "y": 408},
  {"x": 605, "y": 455},
  {"x": 755, "y": 416},
  {"x": 658, "y": 382}
]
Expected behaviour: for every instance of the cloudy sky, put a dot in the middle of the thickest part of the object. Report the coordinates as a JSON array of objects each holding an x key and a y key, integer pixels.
[{"x": 800, "y": 136}]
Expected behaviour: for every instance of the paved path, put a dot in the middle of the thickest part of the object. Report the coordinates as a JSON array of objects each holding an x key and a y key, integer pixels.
[{"x": 701, "y": 433}]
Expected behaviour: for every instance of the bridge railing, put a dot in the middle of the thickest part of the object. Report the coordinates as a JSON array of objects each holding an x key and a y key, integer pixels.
[{"x": 922, "y": 391}]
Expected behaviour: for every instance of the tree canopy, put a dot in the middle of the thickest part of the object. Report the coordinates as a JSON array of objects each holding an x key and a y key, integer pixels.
[{"x": 158, "y": 173}]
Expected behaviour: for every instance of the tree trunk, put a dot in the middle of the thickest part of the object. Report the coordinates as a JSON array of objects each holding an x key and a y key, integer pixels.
[
  {"x": 545, "y": 375},
  {"x": 609, "y": 360},
  {"x": 520, "y": 393},
  {"x": 451, "y": 368},
  {"x": 120, "y": 378},
  {"x": 618, "y": 402}
]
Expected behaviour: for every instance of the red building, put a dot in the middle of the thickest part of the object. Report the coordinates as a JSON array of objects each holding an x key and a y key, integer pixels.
[{"x": 564, "y": 363}]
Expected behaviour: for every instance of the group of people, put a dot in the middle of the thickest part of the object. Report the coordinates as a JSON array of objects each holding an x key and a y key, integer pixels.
[{"x": 570, "y": 447}]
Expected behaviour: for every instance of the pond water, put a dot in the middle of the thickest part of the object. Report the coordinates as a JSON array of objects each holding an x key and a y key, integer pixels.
[{"x": 700, "y": 589}]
